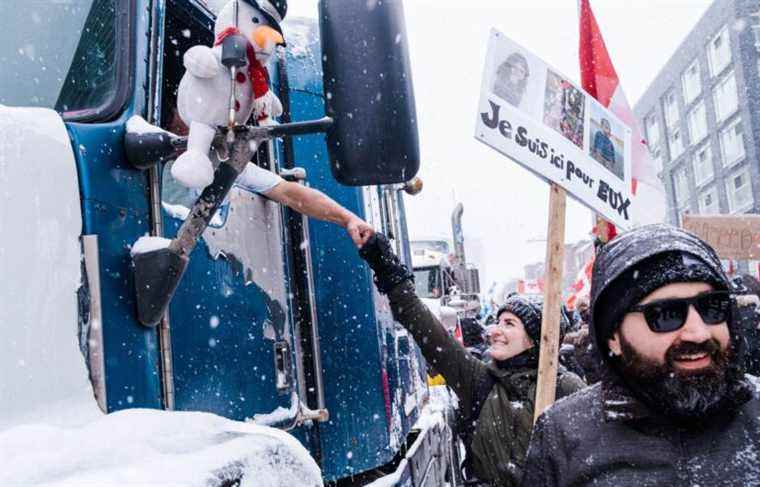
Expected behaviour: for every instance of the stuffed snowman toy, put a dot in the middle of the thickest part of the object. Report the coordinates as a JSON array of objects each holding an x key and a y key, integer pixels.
[{"x": 203, "y": 97}]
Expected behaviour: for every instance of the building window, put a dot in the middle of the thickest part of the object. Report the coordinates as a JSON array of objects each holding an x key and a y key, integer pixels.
[
  {"x": 725, "y": 97},
  {"x": 652, "y": 127},
  {"x": 703, "y": 166},
  {"x": 676, "y": 144},
  {"x": 656, "y": 156},
  {"x": 719, "y": 52},
  {"x": 739, "y": 191},
  {"x": 697, "y": 119},
  {"x": 671, "y": 109},
  {"x": 691, "y": 82},
  {"x": 681, "y": 187},
  {"x": 732, "y": 143},
  {"x": 708, "y": 202}
]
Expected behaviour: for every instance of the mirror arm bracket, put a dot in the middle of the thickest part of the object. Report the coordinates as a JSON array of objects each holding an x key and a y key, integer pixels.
[{"x": 319, "y": 125}]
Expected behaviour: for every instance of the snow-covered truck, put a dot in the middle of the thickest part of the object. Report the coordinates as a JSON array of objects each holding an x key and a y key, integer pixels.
[{"x": 273, "y": 320}]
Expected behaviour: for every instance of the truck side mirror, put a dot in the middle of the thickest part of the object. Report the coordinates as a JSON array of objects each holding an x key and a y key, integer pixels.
[{"x": 368, "y": 92}]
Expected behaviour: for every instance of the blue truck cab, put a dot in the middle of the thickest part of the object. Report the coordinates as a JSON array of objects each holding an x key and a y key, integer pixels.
[{"x": 274, "y": 319}]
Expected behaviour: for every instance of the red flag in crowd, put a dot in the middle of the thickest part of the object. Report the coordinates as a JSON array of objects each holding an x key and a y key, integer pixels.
[
  {"x": 581, "y": 288},
  {"x": 600, "y": 80}
]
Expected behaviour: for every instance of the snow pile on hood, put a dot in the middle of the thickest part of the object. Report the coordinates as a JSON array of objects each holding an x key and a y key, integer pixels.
[{"x": 145, "y": 447}]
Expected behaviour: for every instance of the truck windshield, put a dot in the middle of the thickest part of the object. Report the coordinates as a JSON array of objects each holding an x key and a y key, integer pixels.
[
  {"x": 59, "y": 54},
  {"x": 435, "y": 245},
  {"x": 427, "y": 282}
]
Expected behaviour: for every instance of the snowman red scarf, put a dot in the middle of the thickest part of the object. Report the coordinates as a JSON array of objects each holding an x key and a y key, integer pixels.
[{"x": 257, "y": 74}]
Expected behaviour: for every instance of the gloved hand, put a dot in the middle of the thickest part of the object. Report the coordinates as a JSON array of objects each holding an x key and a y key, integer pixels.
[{"x": 389, "y": 271}]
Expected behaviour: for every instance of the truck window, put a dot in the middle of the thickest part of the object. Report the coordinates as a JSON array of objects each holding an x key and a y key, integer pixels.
[
  {"x": 419, "y": 246},
  {"x": 185, "y": 27},
  {"x": 63, "y": 55},
  {"x": 427, "y": 282}
]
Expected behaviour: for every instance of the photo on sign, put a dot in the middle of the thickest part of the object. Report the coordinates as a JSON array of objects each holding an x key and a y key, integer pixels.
[
  {"x": 607, "y": 143},
  {"x": 564, "y": 108},
  {"x": 512, "y": 77},
  {"x": 516, "y": 74},
  {"x": 537, "y": 117}
]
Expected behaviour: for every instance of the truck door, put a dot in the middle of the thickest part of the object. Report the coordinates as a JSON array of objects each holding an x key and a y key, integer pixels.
[{"x": 230, "y": 324}]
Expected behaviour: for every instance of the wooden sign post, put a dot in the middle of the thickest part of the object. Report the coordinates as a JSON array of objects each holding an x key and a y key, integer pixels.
[
  {"x": 550, "y": 137},
  {"x": 548, "y": 357}
]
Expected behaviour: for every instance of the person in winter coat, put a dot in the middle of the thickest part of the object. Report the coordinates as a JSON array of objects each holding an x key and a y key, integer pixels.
[
  {"x": 749, "y": 286},
  {"x": 674, "y": 406},
  {"x": 472, "y": 337},
  {"x": 497, "y": 397},
  {"x": 583, "y": 348}
]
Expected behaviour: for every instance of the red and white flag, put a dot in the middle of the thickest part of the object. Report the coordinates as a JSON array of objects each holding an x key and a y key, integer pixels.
[
  {"x": 530, "y": 286},
  {"x": 600, "y": 80},
  {"x": 581, "y": 288}
]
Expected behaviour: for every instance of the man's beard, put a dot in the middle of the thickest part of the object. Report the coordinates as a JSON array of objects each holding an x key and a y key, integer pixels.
[{"x": 680, "y": 394}]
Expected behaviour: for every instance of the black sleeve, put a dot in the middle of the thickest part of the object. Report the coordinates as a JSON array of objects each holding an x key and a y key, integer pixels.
[
  {"x": 540, "y": 465},
  {"x": 462, "y": 371}
]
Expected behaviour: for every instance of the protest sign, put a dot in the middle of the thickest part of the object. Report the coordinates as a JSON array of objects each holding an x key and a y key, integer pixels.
[
  {"x": 732, "y": 236},
  {"x": 536, "y": 116}
]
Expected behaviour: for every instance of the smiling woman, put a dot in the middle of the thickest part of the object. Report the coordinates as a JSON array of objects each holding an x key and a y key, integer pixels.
[
  {"x": 496, "y": 398},
  {"x": 508, "y": 338}
]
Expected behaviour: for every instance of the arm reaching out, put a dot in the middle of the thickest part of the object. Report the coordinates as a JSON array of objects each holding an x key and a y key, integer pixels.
[
  {"x": 461, "y": 370},
  {"x": 316, "y": 204}
]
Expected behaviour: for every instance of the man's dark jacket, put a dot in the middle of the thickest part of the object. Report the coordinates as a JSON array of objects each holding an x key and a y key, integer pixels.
[
  {"x": 504, "y": 415},
  {"x": 604, "y": 436}
]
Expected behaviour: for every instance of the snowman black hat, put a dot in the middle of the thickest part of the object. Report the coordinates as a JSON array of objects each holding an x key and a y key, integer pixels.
[{"x": 273, "y": 10}]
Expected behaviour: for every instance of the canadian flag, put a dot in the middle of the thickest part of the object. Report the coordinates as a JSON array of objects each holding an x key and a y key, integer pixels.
[
  {"x": 582, "y": 285},
  {"x": 530, "y": 286},
  {"x": 600, "y": 80}
]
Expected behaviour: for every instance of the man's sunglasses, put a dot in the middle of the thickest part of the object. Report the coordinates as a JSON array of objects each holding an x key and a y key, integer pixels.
[{"x": 670, "y": 314}]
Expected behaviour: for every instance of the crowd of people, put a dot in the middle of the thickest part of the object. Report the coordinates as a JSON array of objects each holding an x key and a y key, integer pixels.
[{"x": 652, "y": 386}]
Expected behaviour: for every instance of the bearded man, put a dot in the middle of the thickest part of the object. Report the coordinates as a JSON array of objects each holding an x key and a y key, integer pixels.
[{"x": 674, "y": 406}]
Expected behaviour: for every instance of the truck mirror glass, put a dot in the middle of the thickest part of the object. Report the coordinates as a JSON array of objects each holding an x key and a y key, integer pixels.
[{"x": 368, "y": 92}]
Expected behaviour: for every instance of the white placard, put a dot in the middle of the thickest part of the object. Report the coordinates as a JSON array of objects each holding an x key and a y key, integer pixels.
[{"x": 536, "y": 116}]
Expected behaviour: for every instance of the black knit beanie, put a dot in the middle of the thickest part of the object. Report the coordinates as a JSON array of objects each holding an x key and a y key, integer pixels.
[
  {"x": 637, "y": 282},
  {"x": 529, "y": 309}
]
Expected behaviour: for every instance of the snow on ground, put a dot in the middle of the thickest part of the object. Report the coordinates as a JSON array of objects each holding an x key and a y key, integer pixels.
[{"x": 144, "y": 447}]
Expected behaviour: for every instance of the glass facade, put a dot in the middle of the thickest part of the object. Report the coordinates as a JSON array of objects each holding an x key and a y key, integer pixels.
[
  {"x": 708, "y": 202},
  {"x": 703, "y": 166},
  {"x": 719, "y": 51},
  {"x": 697, "y": 120},
  {"x": 691, "y": 82},
  {"x": 725, "y": 97},
  {"x": 732, "y": 143},
  {"x": 739, "y": 191}
]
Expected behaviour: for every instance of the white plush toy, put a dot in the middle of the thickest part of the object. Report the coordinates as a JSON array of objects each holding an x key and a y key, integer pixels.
[{"x": 203, "y": 97}]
